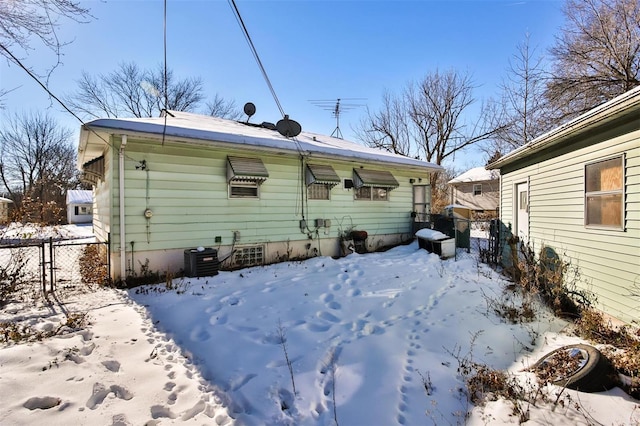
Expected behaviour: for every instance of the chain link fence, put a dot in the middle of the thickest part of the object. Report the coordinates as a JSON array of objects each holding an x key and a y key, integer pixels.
[{"x": 47, "y": 266}]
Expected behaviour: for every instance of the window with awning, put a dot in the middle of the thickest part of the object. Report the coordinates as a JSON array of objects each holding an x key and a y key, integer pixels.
[
  {"x": 93, "y": 170},
  {"x": 320, "y": 178},
  {"x": 246, "y": 169},
  {"x": 374, "y": 178},
  {"x": 321, "y": 174}
]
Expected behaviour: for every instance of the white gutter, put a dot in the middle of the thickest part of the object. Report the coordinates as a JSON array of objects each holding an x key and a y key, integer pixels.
[{"x": 123, "y": 260}]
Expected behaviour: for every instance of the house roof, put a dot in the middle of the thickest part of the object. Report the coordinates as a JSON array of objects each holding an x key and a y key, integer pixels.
[
  {"x": 477, "y": 174},
  {"x": 79, "y": 196},
  {"x": 206, "y": 130},
  {"x": 5, "y": 200},
  {"x": 627, "y": 103}
]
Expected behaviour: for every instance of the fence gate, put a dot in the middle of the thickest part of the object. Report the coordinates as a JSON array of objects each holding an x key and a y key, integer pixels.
[
  {"x": 72, "y": 264},
  {"x": 22, "y": 265}
]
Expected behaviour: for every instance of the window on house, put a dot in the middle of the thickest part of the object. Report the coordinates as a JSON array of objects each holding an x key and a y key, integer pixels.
[
  {"x": 373, "y": 185},
  {"x": 320, "y": 178},
  {"x": 477, "y": 189},
  {"x": 238, "y": 189},
  {"x": 604, "y": 193},
  {"x": 318, "y": 191},
  {"x": 245, "y": 175}
]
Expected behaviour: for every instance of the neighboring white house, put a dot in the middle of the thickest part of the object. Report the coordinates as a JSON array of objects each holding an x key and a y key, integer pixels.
[
  {"x": 576, "y": 191},
  {"x": 4, "y": 209},
  {"x": 79, "y": 206},
  {"x": 477, "y": 189},
  {"x": 169, "y": 184}
]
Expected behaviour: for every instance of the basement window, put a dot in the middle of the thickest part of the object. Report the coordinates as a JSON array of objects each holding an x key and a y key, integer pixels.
[{"x": 604, "y": 193}]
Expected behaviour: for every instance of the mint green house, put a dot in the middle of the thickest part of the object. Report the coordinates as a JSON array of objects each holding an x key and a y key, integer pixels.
[
  {"x": 576, "y": 190},
  {"x": 168, "y": 184}
]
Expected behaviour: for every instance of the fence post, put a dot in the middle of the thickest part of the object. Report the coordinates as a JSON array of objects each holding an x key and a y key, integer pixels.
[
  {"x": 43, "y": 272},
  {"x": 51, "y": 266},
  {"x": 109, "y": 256}
]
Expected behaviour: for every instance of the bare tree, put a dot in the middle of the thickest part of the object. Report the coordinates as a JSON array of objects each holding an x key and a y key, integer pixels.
[
  {"x": 521, "y": 109},
  {"x": 596, "y": 56},
  {"x": 135, "y": 92},
  {"x": 23, "y": 21},
  {"x": 389, "y": 129},
  {"x": 222, "y": 108},
  {"x": 37, "y": 161},
  {"x": 428, "y": 121}
]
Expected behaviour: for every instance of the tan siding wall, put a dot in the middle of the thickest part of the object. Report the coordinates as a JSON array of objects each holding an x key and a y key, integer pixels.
[
  {"x": 608, "y": 260},
  {"x": 462, "y": 193}
]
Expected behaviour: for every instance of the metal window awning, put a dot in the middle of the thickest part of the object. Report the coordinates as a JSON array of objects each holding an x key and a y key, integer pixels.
[
  {"x": 246, "y": 169},
  {"x": 93, "y": 170},
  {"x": 380, "y": 178},
  {"x": 323, "y": 174}
]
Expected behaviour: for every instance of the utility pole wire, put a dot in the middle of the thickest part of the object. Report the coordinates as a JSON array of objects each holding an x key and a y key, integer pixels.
[{"x": 245, "y": 32}]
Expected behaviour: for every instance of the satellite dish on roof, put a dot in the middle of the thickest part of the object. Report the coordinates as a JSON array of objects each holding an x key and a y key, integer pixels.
[
  {"x": 288, "y": 128},
  {"x": 249, "y": 109}
]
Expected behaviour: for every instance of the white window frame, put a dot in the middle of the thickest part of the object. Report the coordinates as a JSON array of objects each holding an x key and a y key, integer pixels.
[
  {"x": 374, "y": 193},
  {"x": 595, "y": 194},
  {"x": 244, "y": 184},
  {"x": 314, "y": 189},
  {"x": 477, "y": 189}
]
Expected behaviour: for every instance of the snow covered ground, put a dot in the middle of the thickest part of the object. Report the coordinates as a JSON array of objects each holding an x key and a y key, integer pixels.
[{"x": 362, "y": 333}]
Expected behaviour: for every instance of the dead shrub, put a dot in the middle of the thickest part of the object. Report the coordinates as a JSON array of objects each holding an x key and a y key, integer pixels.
[{"x": 93, "y": 270}]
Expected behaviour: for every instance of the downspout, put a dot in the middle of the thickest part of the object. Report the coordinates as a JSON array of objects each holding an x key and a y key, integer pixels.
[{"x": 123, "y": 260}]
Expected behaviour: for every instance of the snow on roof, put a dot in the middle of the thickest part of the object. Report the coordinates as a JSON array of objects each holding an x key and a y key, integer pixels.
[
  {"x": 477, "y": 174},
  {"x": 5, "y": 200},
  {"x": 79, "y": 196},
  {"x": 213, "y": 129}
]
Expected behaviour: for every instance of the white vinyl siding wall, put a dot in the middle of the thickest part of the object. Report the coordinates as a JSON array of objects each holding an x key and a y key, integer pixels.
[{"x": 608, "y": 260}]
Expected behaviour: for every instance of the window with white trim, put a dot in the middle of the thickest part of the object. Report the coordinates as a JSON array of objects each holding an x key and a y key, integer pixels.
[
  {"x": 320, "y": 178},
  {"x": 372, "y": 193},
  {"x": 604, "y": 193},
  {"x": 243, "y": 189},
  {"x": 245, "y": 175},
  {"x": 477, "y": 189},
  {"x": 318, "y": 191}
]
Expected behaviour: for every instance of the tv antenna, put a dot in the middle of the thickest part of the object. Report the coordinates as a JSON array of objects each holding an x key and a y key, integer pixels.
[{"x": 337, "y": 107}]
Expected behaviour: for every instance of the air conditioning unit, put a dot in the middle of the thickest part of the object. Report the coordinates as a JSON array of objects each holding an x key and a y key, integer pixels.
[{"x": 201, "y": 262}]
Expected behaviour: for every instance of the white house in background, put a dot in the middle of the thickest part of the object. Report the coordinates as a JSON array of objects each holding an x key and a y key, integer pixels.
[
  {"x": 79, "y": 206},
  {"x": 168, "y": 184},
  {"x": 4, "y": 209},
  {"x": 575, "y": 191},
  {"x": 477, "y": 189}
]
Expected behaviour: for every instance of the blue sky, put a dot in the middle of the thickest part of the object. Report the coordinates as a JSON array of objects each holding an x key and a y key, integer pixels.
[{"x": 311, "y": 49}]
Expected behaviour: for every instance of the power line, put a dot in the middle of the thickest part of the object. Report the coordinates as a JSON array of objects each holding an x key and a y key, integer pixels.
[{"x": 245, "y": 32}]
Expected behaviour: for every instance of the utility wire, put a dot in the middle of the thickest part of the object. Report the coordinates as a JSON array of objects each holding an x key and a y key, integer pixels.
[
  {"x": 166, "y": 94},
  {"x": 245, "y": 32},
  {"x": 46, "y": 89}
]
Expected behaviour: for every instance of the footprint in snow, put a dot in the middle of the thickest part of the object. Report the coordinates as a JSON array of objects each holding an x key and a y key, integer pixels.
[
  {"x": 112, "y": 365},
  {"x": 41, "y": 403},
  {"x": 327, "y": 316},
  {"x": 100, "y": 392}
]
